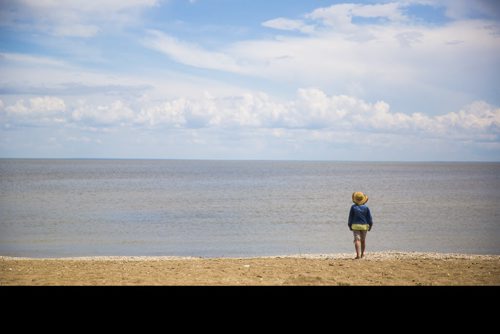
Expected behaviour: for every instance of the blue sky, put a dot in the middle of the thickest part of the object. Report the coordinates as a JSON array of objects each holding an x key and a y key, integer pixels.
[{"x": 237, "y": 79}]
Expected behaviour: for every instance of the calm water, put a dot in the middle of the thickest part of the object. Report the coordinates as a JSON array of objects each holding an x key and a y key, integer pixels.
[{"x": 52, "y": 208}]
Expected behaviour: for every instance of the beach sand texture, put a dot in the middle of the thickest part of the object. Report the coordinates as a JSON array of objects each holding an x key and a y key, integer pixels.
[{"x": 382, "y": 268}]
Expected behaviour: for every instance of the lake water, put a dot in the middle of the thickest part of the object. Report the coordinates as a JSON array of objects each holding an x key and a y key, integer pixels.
[{"x": 58, "y": 208}]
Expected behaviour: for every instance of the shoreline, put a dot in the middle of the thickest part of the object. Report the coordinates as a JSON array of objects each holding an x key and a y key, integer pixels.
[
  {"x": 333, "y": 256},
  {"x": 378, "y": 268}
]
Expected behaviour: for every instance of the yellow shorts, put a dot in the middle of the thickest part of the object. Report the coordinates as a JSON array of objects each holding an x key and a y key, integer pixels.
[{"x": 360, "y": 227}]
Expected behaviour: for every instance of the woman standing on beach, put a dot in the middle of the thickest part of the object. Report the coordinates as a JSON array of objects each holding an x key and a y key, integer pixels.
[{"x": 360, "y": 222}]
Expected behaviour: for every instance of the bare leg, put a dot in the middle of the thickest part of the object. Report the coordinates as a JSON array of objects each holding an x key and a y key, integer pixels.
[
  {"x": 363, "y": 245},
  {"x": 357, "y": 246}
]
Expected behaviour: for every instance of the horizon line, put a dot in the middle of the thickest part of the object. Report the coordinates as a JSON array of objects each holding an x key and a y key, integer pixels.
[{"x": 256, "y": 160}]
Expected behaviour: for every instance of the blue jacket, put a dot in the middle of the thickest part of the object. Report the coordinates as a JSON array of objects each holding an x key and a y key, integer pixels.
[{"x": 360, "y": 214}]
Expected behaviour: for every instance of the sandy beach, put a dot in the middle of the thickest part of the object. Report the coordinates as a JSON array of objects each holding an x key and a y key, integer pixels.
[{"x": 383, "y": 268}]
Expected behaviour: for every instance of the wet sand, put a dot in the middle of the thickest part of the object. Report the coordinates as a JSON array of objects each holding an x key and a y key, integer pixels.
[{"x": 383, "y": 268}]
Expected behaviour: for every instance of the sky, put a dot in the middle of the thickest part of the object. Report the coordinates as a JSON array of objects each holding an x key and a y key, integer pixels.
[{"x": 412, "y": 80}]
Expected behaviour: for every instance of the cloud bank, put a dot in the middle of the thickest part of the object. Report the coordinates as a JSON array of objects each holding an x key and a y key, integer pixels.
[{"x": 311, "y": 109}]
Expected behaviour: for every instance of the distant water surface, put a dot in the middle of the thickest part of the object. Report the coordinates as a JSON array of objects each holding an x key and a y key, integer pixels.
[{"x": 58, "y": 208}]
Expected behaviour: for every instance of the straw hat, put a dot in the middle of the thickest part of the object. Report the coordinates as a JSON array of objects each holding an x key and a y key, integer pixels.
[{"x": 359, "y": 198}]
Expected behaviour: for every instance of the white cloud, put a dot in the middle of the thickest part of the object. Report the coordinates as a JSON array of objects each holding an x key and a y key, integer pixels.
[
  {"x": 36, "y": 111},
  {"x": 401, "y": 60},
  {"x": 391, "y": 11},
  {"x": 340, "y": 16},
  {"x": 288, "y": 24},
  {"x": 114, "y": 114},
  {"x": 476, "y": 116},
  {"x": 89, "y": 5},
  {"x": 76, "y": 30},
  {"x": 191, "y": 54},
  {"x": 31, "y": 60},
  {"x": 312, "y": 125},
  {"x": 247, "y": 110},
  {"x": 311, "y": 110},
  {"x": 170, "y": 113},
  {"x": 46, "y": 105},
  {"x": 395, "y": 59},
  {"x": 76, "y": 18},
  {"x": 36, "y": 75}
]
